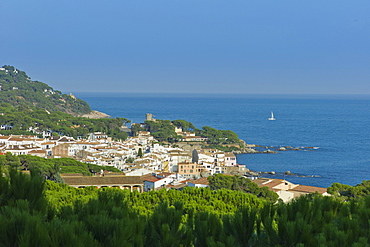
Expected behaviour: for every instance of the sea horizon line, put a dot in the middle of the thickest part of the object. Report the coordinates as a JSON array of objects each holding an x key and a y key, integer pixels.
[{"x": 235, "y": 95}]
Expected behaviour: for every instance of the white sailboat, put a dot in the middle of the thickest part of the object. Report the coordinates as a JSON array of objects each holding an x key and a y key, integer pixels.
[{"x": 272, "y": 116}]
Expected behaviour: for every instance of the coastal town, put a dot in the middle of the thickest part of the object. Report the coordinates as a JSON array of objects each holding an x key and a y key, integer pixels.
[
  {"x": 185, "y": 124},
  {"x": 145, "y": 163}
]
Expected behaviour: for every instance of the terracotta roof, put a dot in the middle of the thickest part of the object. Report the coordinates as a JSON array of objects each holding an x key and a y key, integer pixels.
[
  {"x": 272, "y": 183},
  {"x": 65, "y": 139},
  {"x": 200, "y": 181},
  {"x": 185, "y": 181},
  {"x": 144, "y": 177},
  {"x": 179, "y": 186},
  {"x": 309, "y": 189},
  {"x": 83, "y": 142},
  {"x": 260, "y": 181},
  {"x": 165, "y": 174},
  {"x": 152, "y": 179},
  {"x": 38, "y": 151},
  {"x": 229, "y": 155},
  {"x": 46, "y": 143},
  {"x": 16, "y": 139}
]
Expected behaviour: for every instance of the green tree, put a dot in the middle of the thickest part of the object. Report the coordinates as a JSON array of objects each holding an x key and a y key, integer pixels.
[
  {"x": 18, "y": 186},
  {"x": 240, "y": 183},
  {"x": 348, "y": 193},
  {"x": 140, "y": 153},
  {"x": 185, "y": 125},
  {"x": 162, "y": 130},
  {"x": 165, "y": 228}
]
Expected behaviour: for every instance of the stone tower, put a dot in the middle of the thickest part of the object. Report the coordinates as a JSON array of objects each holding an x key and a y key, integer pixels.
[{"x": 149, "y": 117}]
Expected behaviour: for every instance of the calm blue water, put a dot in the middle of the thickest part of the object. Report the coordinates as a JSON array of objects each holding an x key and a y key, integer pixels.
[{"x": 338, "y": 125}]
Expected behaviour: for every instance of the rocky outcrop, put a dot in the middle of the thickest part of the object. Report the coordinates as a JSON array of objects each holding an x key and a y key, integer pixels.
[
  {"x": 96, "y": 115},
  {"x": 246, "y": 151},
  {"x": 189, "y": 146},
  {"x": 258, "y": 149}
]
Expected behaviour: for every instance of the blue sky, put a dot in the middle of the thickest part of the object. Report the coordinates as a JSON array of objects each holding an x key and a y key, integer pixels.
[{"x": 239, "y": 46}]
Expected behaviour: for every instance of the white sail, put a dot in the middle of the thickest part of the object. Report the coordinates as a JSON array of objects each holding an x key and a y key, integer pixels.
[{"x": 272, "y": 116}]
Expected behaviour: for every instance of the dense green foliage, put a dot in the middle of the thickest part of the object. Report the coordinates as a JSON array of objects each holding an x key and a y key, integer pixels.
[
  {"x": 239, "y": 183},
  {"x": 50, "y": 169},
  {"x": 193, "y": 199},
  {"x": 135, "y": 128},
  {"x": 164, "y": 130},
  {"x": 224, "y": 148},
  {"x": 184, "y": 125},
  {"x": 18, "y": 90},
  {"x": 346, "y": 192},
  {"x": 65, "y": 216},
  {"x": 58, "y": 122},
  {"x": 216, "y": 136},
  {"x": 29, "y": 104}
]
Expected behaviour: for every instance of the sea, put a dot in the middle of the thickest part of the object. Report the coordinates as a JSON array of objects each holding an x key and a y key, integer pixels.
[{"x": 336, "y": 127}]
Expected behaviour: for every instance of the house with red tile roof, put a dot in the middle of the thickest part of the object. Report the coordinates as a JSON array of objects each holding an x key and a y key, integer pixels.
[
  {"x": 305, "y": 189},
  {"x": 154, "y": 183},
  {"x": 287, "y": 190}
]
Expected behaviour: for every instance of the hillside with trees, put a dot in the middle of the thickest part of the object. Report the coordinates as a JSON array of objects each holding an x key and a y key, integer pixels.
[
  {"x": 22, "y": 120},
  {"x": 18, "y": 89}
]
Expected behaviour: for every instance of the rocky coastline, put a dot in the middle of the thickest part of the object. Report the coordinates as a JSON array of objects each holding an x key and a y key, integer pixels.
[
  {"x": 258, "y": 149},
  {"x": 251, "y": 173},
  {"x": 255, "y": 149}
]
